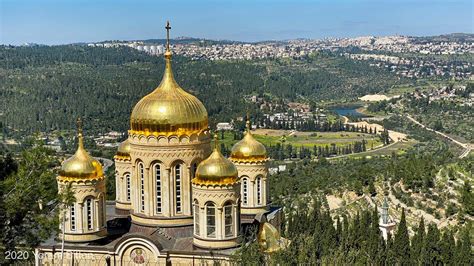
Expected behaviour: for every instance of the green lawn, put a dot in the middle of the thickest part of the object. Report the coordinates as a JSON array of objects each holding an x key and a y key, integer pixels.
[{"x": 309, "y": 139}]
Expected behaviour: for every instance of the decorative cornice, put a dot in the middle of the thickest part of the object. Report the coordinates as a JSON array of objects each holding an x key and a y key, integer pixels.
[{"x": 68, "y": 179}]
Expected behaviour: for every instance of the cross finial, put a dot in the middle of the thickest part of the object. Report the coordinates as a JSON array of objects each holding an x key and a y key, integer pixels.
[
  {"x": 79, "y": 133},
  {"x": 247, "y": 123},
  {"x": 216, "y": 141},
  {"x": 168, "y": 28},
  {"x": 79, "y": 126}
]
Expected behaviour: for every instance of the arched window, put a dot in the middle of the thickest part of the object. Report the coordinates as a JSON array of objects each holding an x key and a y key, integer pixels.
[
  {"x": 73, "y": 218},
  {"x": 99, "y": 213},
  {"x": 211, "y": 219},
  {"x": 127, "y": 180},
  {"x": 228, "y": 220},
  {"x": 196, "y": 218},
  {"x": 117, "y": 185},
  {"x": 245, "y": 188},
  {"x": 158, "y": 187},
  {"x": 177, "y": 176},
  {"x": 259, "y": 190},
  {"x": 141, "y": 174},
  {"x": 193, "y": 170},
  {"x": 89, "y": 213}
]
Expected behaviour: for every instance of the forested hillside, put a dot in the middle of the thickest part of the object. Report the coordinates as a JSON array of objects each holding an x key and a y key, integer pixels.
[{"x": 45, "y": 88}]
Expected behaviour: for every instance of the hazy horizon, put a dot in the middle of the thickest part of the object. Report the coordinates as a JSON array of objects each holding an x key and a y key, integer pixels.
[{"x": 54, "y": 22}]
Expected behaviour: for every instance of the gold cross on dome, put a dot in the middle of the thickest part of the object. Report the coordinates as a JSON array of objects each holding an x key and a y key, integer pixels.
[
  {"x": 79, "y": 125},
  {"x": 168, "y": 28}
]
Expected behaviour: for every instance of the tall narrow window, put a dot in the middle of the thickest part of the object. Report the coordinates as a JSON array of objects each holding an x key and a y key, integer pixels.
[
  {"x": 89, "y": 214},
  {"x": 177, "y": 175},
  {"x": 244, "y": 191},
  {"x": 196, "y": 218},
  {"x": 228, "y": 220},
  {"x": 73, "y": 218},
  {"x": 211, "y": 219},
  {"x": 158, "y": 188},
  {"x": 193, "y": 170},
  {"x": 142, "y": 186},
  {"x": 259, "y": 190},
  {"x": 127, "y": 180},
  {"x": 117, "y": 185}
]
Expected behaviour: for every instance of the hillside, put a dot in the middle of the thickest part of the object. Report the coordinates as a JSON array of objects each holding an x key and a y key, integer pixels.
[{"x": 60, "y": 83}]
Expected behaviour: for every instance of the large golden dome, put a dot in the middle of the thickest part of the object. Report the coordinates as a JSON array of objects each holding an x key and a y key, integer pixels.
[
  {"x": 81, "y": 165},
  {"x": 168, "y": 109},
  {"x": 248, "y": 149},
  {"x": 216, "y": 170}
]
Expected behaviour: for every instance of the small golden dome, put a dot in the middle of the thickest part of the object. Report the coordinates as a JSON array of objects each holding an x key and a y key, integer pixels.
[
  {"x": 81, "y": 165},
  {"x": 168, "y": 109},
  {"x": 248, "y": 149},
  {"x": 123, "y": 151},
  {"x": 269, "y": 238},
  {"x": 216, "y": 170}
]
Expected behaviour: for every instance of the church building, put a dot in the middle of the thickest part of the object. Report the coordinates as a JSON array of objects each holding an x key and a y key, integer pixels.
[{"x": 179, "y": 201}]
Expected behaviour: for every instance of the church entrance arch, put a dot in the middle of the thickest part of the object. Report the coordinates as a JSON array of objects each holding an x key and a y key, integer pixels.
[{"x": 138, "y": 251}]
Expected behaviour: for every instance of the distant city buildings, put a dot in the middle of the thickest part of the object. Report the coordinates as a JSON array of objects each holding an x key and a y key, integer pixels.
[{"x": 370, "y": 49}]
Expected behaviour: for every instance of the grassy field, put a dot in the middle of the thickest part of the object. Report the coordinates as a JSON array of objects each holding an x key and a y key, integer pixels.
[
  {"x": 399, "y": 148},
  {"x": 308, "y": 139}
]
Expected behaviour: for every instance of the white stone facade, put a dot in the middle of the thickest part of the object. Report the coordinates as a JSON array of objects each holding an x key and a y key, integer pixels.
[
  {"x": 216, "y": 216},
  {"x": 162, "y": 169},
  {"x": 254, "y": 189},
  {"x": 85, "y": 220}
]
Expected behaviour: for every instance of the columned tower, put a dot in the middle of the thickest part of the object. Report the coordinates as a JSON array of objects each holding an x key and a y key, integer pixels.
[
  {"x": 250, "y": 158},
  {"x": 216, "y": 203},
  {"x": 123, "y": 176},
  {"x": 85, "y": 219},
  {"x": 169, "y": 137},
  {"x": 386, "y": 224}
]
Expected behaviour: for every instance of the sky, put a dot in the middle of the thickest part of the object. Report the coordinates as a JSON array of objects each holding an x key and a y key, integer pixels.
[{"x": 71, "y": 21}]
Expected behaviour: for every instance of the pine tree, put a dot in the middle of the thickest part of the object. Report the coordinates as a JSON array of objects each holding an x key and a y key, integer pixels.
[{"x": 402, "y": 242}]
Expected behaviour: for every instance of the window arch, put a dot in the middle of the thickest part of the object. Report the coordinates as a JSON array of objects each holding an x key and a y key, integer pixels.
[
  {"x": 157, "y": 170},
  {"x": 196, "y": 218},
  {"x": 73, "y": 217},
  {"x": 89, "y": 213},
  {"x": 245, "y": 190},
  {"x": 127, "y": 184},
  {"x": 193, "y": 169},
  {"x": 118, "y": 185},
  {"x": 141, "y": 175},
  {"x": 259, "y": 189},
  {"x": 178, "y": 180},
  {"x": 228, "y": 219},
  {"x": 211, "y": 219}
]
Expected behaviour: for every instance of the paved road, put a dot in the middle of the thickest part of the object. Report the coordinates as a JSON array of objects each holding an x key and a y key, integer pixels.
[{"x": 466, "y": 146}]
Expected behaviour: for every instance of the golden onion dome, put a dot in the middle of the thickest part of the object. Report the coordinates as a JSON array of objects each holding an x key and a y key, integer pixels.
[
  {"x": 81, "y": 165},
  {"x": 270, "y": 239},
  {"x": 168, "y": 109},
  {"x": 248, "y": 149},
  {"x": 124, "y": 148},
  {"x": 216, "y": 170},
  {"x": 123, "y": 151}
]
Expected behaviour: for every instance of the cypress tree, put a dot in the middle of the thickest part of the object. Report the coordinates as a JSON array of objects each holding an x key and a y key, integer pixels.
[
  {"x": 464, "y": 254},
  {"x": 402, "y": 242},
  {"x": 448, "y": 246},
  {"x": 417, "y": 243},
  {"x": 432, "y": 246}
]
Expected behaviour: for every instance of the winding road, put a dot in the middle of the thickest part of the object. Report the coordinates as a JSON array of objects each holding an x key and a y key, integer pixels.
[{"x": 466, "y": 146}]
